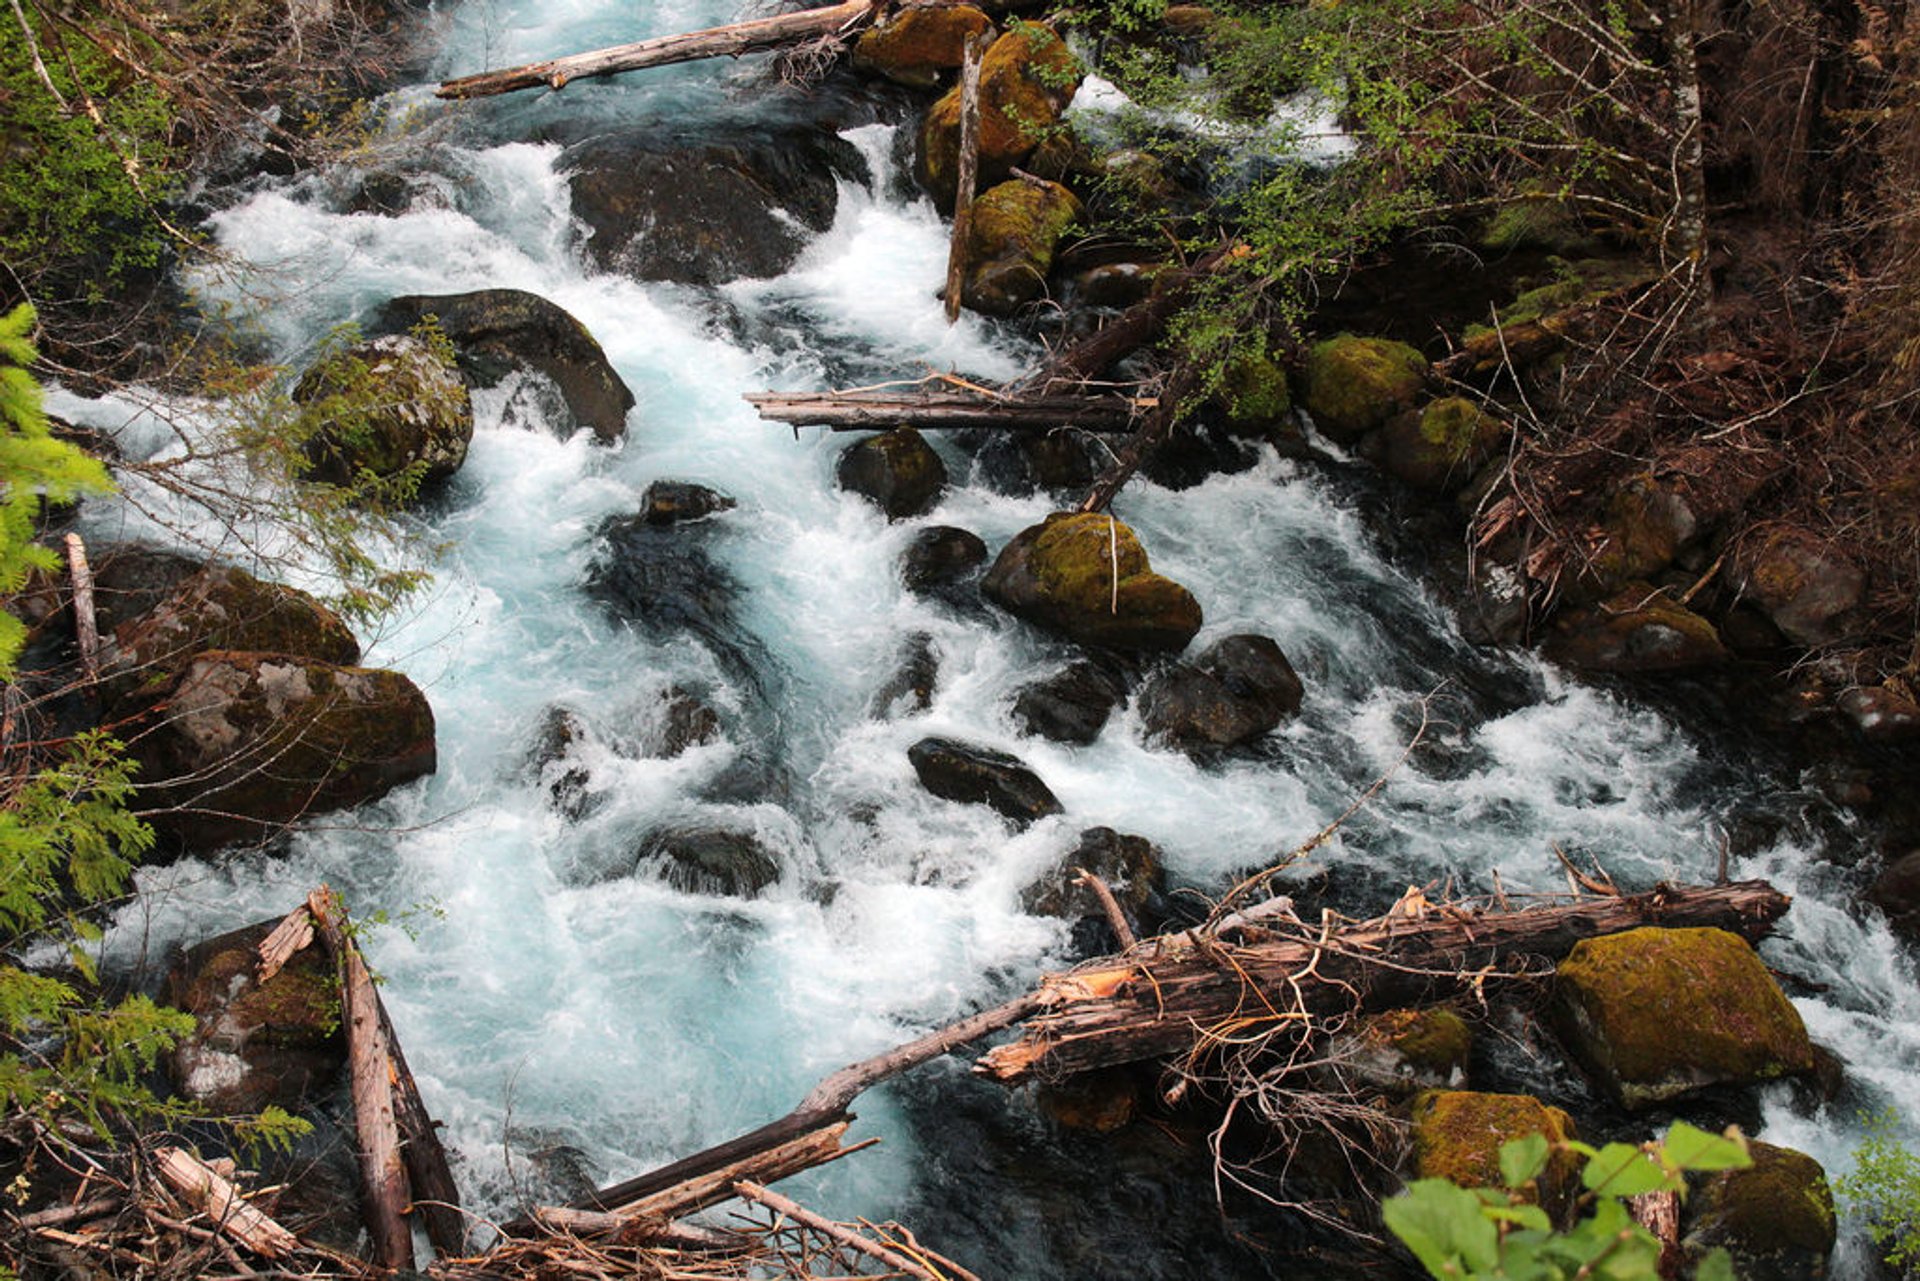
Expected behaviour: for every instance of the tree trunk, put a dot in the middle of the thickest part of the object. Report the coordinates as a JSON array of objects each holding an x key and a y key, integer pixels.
[
  {"x": 1172, "y": 998},
  {"x": 969, "y": 173},
  {"x": 715, "y": 42},
  {"x": 942, "y": 411},
  {"x": 1688, "y": 236}
]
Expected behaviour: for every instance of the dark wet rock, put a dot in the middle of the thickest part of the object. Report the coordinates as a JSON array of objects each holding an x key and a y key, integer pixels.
[
  {"x": 681, "y": 720},
  {"x": 1882, "y": 714},
  {"x": 565, "y": 780},
  {"x": 386, "y": 405},
  {"x": 1026, "y": 79},
  {"x": 708, "y": 210},
  {"x": 1496, "y": 610},
  {"x": 496, "y": 331},
  {"x": 661, "y": 579},
  {"x": 1353, "y": 385},
  {"x": 1457, "y": 1135},
  {"x": 1102, "y": 1101},
  {"x": 1654, "y": 1014},
  {"x": 1253, "y": 392},
  {"x": 1197, "y": 450},
  {"x": 1010, "y": 242},
  {"x": 1085, "y": 576},
  {"x": 251, "y": 742},
  {"x": 941, "y": 560},
  {"x": 1641, "y": 629},
  {"x": 1810, "y": 590},
  {"x": 255, "y": 1044},
  {"x": 1774, "y": 1217},
  {"x": 1896, "y": 891},
  {"x": 1130, "y": 865},
  {"x": 1025, "y": 462},
  {"x": 215, "y": 607},
  {"x": 1073, "y": 704},
  {"x": 976, "y": 775},
  {"x": 1115, "y": 284},
  {"x": 676, "y": 502},
  {"x": 1439, "y": 448},
  {"x": 699, "y": 859},
  {"x": 897, "y": 471},
  {"x": 912, "y": 46},
  {"x": 910, "y": 688},
  {"x": 1400, "y": 1052},
  {"x": 1236, "y": 691}
]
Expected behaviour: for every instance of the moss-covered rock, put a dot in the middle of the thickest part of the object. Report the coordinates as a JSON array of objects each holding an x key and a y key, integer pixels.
[
  {"x": 250, "y": 742},
  {"x": 1439, "y": 448},
  {"x": 1811, "y": 591},
  {"x": 1010, "y": 244},
  {"x": 218, "y": 607},
  {"x": 1775, "y": 1217},
  {"x": 1654, "y": 1014},
  {"x": 1646, "y": 526},
  {"x": 912, "y": 46},
  {"x": 1085, "y": 576},
  {"x": 1641, "y": 629},
  {"x": 1457, "y": 1135},
  {"x": 1401, "y": 1051},
  {"x": 897, "y": 471},
  {"x": 1352, "y": 385},
  {"x": 1253, "y": 392},
  {"x": 386, "y": 405},
  {"x": 255, "y": 1043},
  {"x": 1026, "y": 80}
]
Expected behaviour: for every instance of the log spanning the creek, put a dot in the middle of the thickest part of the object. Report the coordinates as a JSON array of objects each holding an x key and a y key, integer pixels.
[
  {"x": 945, "y": 411},
  {"x": 833, "y": 22},
  {"x": 1182, "y": 993}
]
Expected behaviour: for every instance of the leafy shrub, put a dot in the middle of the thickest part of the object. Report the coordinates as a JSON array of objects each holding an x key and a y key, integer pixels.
[{"x": 1884, "y": 1189}]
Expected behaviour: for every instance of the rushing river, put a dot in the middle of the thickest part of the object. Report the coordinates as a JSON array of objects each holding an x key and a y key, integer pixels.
[{"x": 547, "y": 1005}]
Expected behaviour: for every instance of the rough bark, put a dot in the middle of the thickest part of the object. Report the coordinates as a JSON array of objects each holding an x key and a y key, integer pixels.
[
  {"x": 1170, "y": 996},
  {"x": 86, "y": 631},
  {"x": 942, "y": 411},
  {"x": 714, "y": 42},
  {"x": 969, "y": 174}
]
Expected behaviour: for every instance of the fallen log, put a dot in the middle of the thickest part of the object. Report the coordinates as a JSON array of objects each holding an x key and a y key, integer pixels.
[
  {"x": 1181, "y": 993},
  {"x": 943, "y": 411},
  {"x": 976, "y": 48},
  {"x": 1143, "y": 444},
  {"x": 86, "y": 630},
  {"x": 1134, "y": 328},
  {"x": 730, "y": 41},
  {"x": 210, "y": 1193}
]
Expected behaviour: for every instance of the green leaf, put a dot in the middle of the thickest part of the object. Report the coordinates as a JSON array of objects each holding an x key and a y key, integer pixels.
[
  {"x": 1623, "y": 1169},
  {"x": 1522, "y": 1160},
  {"x": 1444, "y": 1227},
  {"x": 1716, "y": 1266},
  {"x": 1689, "y": 1148}
]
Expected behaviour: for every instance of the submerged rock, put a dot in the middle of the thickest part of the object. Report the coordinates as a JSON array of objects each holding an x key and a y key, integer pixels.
[
  {"x": 251, "y": 742},
  {"x": 385, "y": 406},
  {"x": 912, "y": 46},
  {"x": 1654, "y": 1014},
  {"x": 1027, "y": 78},
  {"x": 698, "y": 859},
  {"x": 1352, "y": 385},
  {"x": 709, "y": 210},
  {"x": 565, "y": 781},
  {"x": 1025, "y": 461},
  {"x": 910, "y": 688},
  {"x": 977, "y": 775},
  {"x": 1085, "y": 576},
  {"x": 679, "y": 721},
  {"x": 1401, "y": 1051},
  {"x": 1010, "y": 243},
  {"x": 941, "y": 560},
  {"x": 253, "y": 1043},
  {"x": 1073, "y": 704},
  {"x": 677, "y": 502},
  {"x": 496, "y": 331},
  {"x": 661, "y": 579},
  {"x": 897, "y": 471},
  {"x": 1457, "y": 1135},
  {"x": 1237, "y": 691},
  {"x": 1639, "y": 630},
  {"x": 1775, "y": 1217}
]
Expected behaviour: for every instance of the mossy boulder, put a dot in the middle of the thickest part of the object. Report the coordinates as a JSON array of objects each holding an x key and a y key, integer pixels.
[
  {"x": 1654, "y": 1014},
  {"x": 253, "y": 1043},
  {"x": 1646, "y": 526},
  {"x": 1235, "y": 692},
  {"x": 912, "y": 46},
  {"x": 1775, "y": 1217},
  {"x": 217, "y": 607},
  {"x": 1351, "y": 385},
  {"x": 1641, "y": 629},
  {"x": 1010, "y": 244},
  {"x": 386, "y": 406},
  {"x": 1401, "y": 1051},
  {"x": 1253, "y": 393},
  {"x": 251, "y": 742},
  {"x": 916, "y": 674},
  {"x": 1439, "y": 448},
  {"x": 1027, "y": 78},
  {"x": 976, "y": 775},
  {"x": 897, "y": 471},
  {"x": 1809, "y": 589},
  {"x": 1085, "y": 576},
  {"x": 1457, "y": 1135},
  {"x": 497, "y": 331}
]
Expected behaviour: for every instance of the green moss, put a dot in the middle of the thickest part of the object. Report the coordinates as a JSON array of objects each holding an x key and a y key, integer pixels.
[
  {"x": 1086, "y": 575},
  {"x": 299, "y": 1006},
  {"x": 1016, "y": 226},
  {"x": 1026, "y": 79},
  {"x": 1776, "y": 1217},
  {"x": 1430, "y": 1040},
  {"x": 1457, "y": 1135},
  {"x": 912, "y": 46},
  {"x": 1659, "y": 1012},
  {"x": 1352, "y": 385},
  {"x": 1253, "y": 389},
  {"x": 1577, "y": 282}
]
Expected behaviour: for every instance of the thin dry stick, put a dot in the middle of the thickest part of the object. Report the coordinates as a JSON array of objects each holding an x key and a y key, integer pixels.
[
  {"x": 837, "y": 1231},
  {"x": 1116, "y": 919},
  {"x": 86, "y": 630}
]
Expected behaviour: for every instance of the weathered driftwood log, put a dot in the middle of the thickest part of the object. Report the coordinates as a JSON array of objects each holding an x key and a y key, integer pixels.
[
  {"x": 86, "y": 631},
  {"x": 976, "y": 48},
  {"x": 1173, "y": 995},
  {"x": 943, "y": 411},
  {"x": 714, "y": 42},
  {"x": 209, "y": 1192}
]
